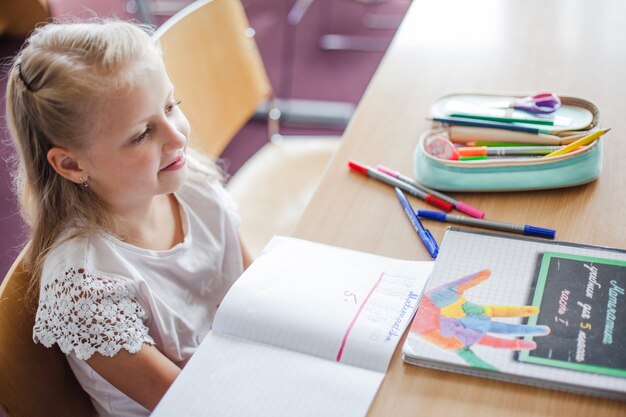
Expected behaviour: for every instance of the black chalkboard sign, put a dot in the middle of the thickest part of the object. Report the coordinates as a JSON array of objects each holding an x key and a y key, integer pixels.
[{"x": 582, "y": 300}]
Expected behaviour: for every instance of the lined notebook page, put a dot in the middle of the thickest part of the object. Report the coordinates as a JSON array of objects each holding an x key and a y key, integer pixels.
[
  {"x": 239, "y": 378},
  {"x": 514, "y": 264},
  {"x": 335, "y": 303},
  {"x": 308, "y": 330}
]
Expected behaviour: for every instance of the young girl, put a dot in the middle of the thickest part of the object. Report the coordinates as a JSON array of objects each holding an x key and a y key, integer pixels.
[{"x": 133, "y": 240}]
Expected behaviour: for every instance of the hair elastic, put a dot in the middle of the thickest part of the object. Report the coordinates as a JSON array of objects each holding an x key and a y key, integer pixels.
[{"x": 26, "y": 83}]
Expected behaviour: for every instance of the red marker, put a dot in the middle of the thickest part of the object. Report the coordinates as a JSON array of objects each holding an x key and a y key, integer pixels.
[
  {"x": 389, "y": 180},
  {"x": 457, "y": 204}
]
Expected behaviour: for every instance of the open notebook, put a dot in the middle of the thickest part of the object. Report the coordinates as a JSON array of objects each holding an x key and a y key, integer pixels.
[
  {"x": 544, "y": 313},
  {"x": 308, "y": 330}
]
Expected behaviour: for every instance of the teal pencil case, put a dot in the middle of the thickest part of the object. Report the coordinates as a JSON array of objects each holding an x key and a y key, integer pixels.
[{"x": 576, "y": 118}]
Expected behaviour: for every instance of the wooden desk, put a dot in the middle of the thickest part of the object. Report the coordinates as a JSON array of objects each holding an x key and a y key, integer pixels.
[{"x": 443, "y": 46}]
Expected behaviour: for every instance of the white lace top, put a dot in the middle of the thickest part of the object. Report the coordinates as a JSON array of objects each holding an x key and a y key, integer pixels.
[{"x": 99, "y": 294}]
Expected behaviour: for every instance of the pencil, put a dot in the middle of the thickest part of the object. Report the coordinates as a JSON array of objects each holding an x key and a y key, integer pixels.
[{"x": 580, "y": 142}]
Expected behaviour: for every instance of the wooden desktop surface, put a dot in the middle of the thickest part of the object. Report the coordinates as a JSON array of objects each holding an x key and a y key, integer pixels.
[{"x": 568, "y": 47}]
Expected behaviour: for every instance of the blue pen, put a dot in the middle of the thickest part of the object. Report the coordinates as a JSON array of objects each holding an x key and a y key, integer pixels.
[
  {"x": 488, "y": 224},
  {"x": 425, "y": 235},
  {"x": 460, "y": 121}
]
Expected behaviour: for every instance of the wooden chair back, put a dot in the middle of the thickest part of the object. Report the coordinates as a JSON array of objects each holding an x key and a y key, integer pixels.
[
  {"x": 214, "y": 63},
  {"x": 34, "y": 380}
]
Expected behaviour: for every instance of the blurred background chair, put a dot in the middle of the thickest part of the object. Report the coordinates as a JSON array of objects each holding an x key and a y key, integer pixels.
[
  {"x": 294, "y": 112},
  {"x": 35, "y": 381},
  {"x": 371, "y": 19},
  {"x": 212, "y": 58},
  {"x": 18, "y": 17}
]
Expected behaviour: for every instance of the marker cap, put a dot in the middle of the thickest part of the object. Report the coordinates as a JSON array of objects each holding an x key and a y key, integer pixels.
[
  {"x": 388, "y": 171},
  {"x": 467, "y": 209},
  {"x": 357, "y": 167},
  {"x": 539, "y": 231},
  {"x": 436, "y": 201},
  {"x": 433, "y": 215},
  {"x": 472, "y": 151}
]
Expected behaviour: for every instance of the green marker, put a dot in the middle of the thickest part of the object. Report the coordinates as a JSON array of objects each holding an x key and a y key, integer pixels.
[
  {"x": 500, "y": 144},
  {"x": 504, "y": 119},
  {"x": 472, "y": 158}
]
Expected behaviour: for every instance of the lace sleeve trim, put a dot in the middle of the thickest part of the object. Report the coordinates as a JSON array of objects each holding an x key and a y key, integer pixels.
[{"x": 89, "y": 314}]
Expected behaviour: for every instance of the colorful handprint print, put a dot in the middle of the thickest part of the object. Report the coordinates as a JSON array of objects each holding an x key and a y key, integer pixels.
[{"x": 448, "y": 320}]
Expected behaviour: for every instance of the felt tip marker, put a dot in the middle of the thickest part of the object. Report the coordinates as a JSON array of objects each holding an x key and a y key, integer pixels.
[
  {"x": 506, "y": 150},
  {"x": 462, "y": 121},
  {"x": 459, "y": 205},
  {"x": 394, "y": 182},
  {"x": 488, "y": 224},
  {"x": 425, "y": 236},
  {"x": 545, "y": 122}
]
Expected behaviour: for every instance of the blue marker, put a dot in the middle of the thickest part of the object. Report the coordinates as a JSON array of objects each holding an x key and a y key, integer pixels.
[
  {"x": 425, "y": 235},
  {"x": 488, "y": 224}
]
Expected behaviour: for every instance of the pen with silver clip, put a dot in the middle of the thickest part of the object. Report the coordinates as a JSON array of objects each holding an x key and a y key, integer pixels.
[{"x": 425, "y": 236}]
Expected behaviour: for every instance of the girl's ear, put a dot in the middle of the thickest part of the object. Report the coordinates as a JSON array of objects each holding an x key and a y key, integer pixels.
[{"x": 66, "y": 164}]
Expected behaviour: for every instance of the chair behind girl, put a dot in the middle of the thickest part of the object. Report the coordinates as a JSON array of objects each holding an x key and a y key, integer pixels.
[
  {"x": 34, "y": 380},
  {"x": 217, "y": 71}
]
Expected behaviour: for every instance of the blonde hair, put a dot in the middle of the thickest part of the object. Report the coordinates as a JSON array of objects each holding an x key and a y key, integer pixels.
[{"x": 54, "y": 86}]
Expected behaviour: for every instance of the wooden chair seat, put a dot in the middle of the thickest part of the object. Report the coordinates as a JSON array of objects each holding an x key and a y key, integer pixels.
[{"x": 274, "y": 187}]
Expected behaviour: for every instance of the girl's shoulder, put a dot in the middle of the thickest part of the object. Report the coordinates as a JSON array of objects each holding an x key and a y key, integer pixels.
[
  {"x": 89, "y": 252},
  {"x": 69, "y": 249},
  {"x": 85, "y": 306}
]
